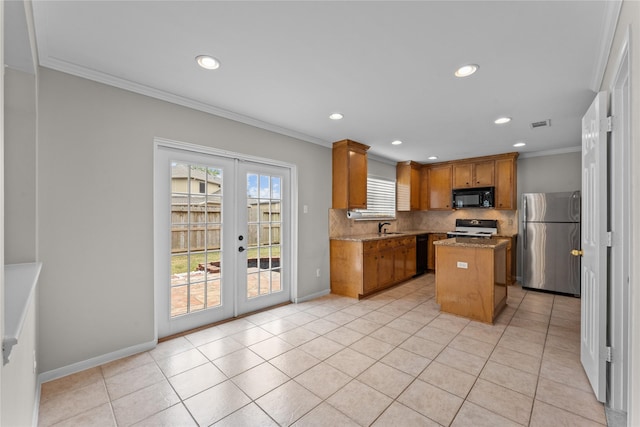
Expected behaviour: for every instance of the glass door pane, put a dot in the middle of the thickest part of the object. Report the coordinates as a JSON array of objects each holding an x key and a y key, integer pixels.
[
  {"x": 262, "y": 224},
  {"x": 196, "y": 232}
]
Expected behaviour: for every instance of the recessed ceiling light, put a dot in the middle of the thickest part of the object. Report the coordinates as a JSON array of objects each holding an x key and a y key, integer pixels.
[
  {"x": 208, "y": 62},
  {"x": 466, "y": 70},
  {"x": 519, "y": 144},
  {"x": 502, "y": 120},
  {"x": 396, "y": 142},
  {"x": 433, "y": 157},
  {"x": 336, "y": 116}
]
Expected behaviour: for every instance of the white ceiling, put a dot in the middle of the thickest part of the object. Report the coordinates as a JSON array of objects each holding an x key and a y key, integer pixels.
[{"x": 386, "y": 65}]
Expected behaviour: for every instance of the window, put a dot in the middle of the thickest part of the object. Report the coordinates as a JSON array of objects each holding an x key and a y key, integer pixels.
[{"x": 381, "y": 199}]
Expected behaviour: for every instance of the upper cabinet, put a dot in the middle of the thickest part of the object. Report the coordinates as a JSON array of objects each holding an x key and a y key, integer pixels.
[
  {"x": 408, "y": 186},
  {"x": 473, "y": 174},
  {"x": 349, "y": 175},
  {"x": 437, "y": 189},
  {"x": 506, "y": 191},
  {"x": 439, "y": 179}
]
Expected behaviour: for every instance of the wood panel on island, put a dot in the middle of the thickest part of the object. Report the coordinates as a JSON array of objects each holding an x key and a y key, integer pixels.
[{"x": 471, "y": 277}]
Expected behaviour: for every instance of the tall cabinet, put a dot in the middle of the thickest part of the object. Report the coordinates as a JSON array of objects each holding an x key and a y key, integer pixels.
[
  {"x": 505, "y": 192},
  {"x": 349, "y": 175},
  {"x": 408, "y": 186}
]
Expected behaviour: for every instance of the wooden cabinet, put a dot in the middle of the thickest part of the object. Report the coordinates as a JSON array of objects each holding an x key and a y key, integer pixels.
[
  {"x": 505, "y": 192},
  {"x": 479, "y": 290},
  {"x": 349, "y": 175},
  {"x": 408, "y": 186},
  {"x": 438, "y": 179},
  {"x": 473, "y": 174},
  {"x": 438, "y": 191},
  {"x": 370, "y": 267},
  {"x": 361, "y": 268},
  {"x": 386, "y": 262},
  {"x": 511, "y": 259},
  {"x": 404, "y": 258},
  {"x": 431, "y": 251}
]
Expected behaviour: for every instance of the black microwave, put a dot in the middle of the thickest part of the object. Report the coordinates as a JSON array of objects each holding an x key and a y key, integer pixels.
[{"x": 473, "y": 197}]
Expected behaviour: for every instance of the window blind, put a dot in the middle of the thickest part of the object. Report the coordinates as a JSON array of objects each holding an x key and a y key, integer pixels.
[{"x": 381, "y": 199}]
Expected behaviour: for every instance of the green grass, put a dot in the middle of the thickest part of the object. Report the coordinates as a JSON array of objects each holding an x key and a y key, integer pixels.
[{"x": 179, "y": 262}]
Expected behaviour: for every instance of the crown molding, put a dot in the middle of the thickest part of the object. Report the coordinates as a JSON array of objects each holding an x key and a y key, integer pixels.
[
  {"x": 575, "y": 149},
  {"x": 107, "y": 79}
]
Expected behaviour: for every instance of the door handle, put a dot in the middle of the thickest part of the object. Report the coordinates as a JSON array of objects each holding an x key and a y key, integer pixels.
[
  {"x": 240, "y": 249},
  {"x": 577, "y": 252}
]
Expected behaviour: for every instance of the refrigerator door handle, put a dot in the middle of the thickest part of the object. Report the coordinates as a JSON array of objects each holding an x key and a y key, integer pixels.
[{"x": 524, "y": 222}]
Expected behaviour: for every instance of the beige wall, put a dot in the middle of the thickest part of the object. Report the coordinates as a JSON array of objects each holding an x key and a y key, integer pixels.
[
  {"x": 549, "y": 174},
  {"x": 20, "y": 167},
  {"x": 96, "y": 285}
]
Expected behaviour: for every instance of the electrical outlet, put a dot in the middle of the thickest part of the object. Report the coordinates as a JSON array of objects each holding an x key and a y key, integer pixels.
[
  {"x": 305, "y": 209},
  {"x": 35, "y": 363},
  {"x": 510, "y": 221},
  {"x": 317, "y": 272}
]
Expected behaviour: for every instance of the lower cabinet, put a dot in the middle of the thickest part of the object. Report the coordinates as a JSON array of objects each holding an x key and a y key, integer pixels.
[
  {"x": 431, "y": 251},
  {"x": 359, "y": 268},
  {"x": 511, "y": 259}
]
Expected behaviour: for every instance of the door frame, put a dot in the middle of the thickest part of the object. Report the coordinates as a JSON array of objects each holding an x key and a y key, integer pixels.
[
  {"x": 620, "y": 217},
  {"x": 159, "y": 228}
]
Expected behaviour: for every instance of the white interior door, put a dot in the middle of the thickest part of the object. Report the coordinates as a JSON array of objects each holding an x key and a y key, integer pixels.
[{"x": 594, "y": 239}]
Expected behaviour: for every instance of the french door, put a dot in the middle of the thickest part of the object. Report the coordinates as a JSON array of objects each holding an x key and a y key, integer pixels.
[{"x": 223, "y": 229}]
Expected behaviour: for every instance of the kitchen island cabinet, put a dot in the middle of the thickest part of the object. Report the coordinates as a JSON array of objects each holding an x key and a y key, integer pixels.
[
  {"x": 471, "y": 277},
  {"x": 431, "y": 249},
  {"x": 363, "y": 265}
]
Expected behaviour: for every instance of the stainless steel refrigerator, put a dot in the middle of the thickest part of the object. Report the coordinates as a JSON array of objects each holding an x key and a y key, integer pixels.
[{"x": 551, "y": 229}]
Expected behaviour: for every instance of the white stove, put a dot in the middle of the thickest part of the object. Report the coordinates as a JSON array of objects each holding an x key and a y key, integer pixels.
[{"x": 475, "y": 228}]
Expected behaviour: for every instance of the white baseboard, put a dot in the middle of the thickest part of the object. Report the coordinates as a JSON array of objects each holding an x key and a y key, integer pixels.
[
  {"x": 312, "y": 296},
  {"x": 94, "y": 361}
]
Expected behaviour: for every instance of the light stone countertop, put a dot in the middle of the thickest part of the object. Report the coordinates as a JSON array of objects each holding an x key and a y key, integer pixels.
[
  {"x": 379, "y": 236},
  {"x": 390, "y": 235},
  {"x": 470, "y": 242}
]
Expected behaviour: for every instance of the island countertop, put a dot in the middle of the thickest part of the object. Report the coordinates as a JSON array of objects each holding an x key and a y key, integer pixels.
[{"x": 471, "y": 242}]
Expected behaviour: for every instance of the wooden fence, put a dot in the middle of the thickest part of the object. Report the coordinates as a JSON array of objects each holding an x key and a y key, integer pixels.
[{"x": 205, "y": 229}]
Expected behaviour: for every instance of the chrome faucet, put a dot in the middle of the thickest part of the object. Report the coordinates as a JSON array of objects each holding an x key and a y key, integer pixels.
[{"x": 382, "y": 224}]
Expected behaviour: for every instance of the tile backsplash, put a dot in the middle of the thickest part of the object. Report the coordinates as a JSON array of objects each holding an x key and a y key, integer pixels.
[{"x": 433, "y": 221}]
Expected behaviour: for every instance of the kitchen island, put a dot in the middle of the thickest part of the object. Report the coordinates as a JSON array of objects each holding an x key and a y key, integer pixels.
[{"x": 471, "y": 277}]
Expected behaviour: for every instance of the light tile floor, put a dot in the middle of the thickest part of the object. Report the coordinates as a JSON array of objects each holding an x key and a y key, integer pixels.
[{"x": 389, "y": 360}]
